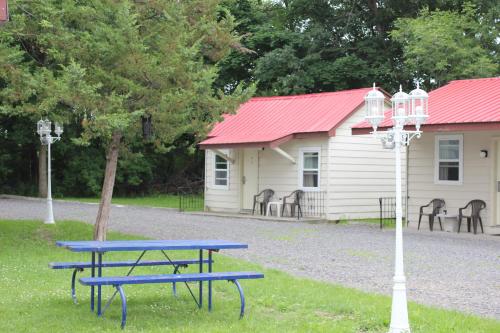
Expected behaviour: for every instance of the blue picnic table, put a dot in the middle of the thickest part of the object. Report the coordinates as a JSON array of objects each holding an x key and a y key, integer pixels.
[{"x": 97, "y": 249}]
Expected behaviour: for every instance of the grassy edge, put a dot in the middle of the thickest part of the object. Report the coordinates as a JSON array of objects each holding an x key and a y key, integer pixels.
[{"x": 284, "y": 295}]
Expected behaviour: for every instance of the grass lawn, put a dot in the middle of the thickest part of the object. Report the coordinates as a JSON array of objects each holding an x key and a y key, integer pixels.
[
  {"x": 163, "y": 200},
  {"x": 35, "y": 298},
  {"x": 386, "y": 223}
]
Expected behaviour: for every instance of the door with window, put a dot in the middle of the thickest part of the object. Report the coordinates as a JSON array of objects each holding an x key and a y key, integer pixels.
[{"x": 249, "y": 178}]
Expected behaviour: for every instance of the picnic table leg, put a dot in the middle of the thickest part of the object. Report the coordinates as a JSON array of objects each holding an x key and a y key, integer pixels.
[
  {"x": 92, "y": 273},
  {"x": 210, "y": 282},
  {"x": 242, "y": 297},
  {"x": 99, "y": 274},
  {"x": 124, "y": 305},
  {"x": 200, "y": 299},
  {"x": 73, "y": 281}
]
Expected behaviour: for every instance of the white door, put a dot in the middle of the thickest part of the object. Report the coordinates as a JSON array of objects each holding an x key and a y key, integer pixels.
[{"x": 249, "y": 179}]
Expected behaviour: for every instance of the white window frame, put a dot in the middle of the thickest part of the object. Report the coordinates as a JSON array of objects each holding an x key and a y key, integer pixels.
[
  {"x": 214, "y": 163},
  {"x": 460, "y": 139},
  {"x": 301, "y": 168}
]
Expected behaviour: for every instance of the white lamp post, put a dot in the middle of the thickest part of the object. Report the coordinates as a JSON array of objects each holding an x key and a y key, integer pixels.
[
  {"x": 406, "y": 109},
  {"x": 44, "y": 129}
]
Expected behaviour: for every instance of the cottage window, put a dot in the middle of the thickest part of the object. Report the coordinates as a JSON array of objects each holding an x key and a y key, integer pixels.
[
  {"x": 449, "y": 159},
  {"x": 309, "y": 168},
  {"x": 221, "y": 172}
]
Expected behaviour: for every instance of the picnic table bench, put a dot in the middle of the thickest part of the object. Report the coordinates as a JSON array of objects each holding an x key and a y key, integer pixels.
[
  {"x": 98, "y": 249},
  {"x": 81, "y": 266},
  {"x": 119, "y": 281}
]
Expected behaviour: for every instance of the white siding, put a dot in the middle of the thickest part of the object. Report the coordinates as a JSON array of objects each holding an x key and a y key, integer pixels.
[
  {"x": 477, "y": 175},
  {"x": 281, "y": 175},
  {"x": 354, "y": 172},
  {"x": 222, "y": 200},
  {"x": 360, "y": 172}
]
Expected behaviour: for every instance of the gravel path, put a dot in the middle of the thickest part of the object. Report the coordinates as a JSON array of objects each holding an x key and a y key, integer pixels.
[{"x": 449, "y": 270}]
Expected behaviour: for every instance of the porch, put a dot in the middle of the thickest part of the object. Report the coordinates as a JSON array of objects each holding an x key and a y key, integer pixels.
[
  {"x": 233, "y": 176},
  {"x": 457, "y": 167},
  {"x": 247, "y": 215}
]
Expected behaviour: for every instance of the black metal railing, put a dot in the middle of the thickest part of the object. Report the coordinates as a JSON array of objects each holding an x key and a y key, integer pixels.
[
  {"x": 190, "y": 200},
  {"x": 313, "y": 204},
  {"x": 387, "y": 207}
]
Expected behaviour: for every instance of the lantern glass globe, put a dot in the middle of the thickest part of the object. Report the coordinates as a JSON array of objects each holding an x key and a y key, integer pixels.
[
  {"x": 58, "y": 129},
  {"x": 374, "y": 107},
  {"x": 400, "y": 107},
  {"x": 418, "y": 106}
]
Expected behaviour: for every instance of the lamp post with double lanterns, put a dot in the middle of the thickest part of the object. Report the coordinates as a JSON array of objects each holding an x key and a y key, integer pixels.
[
  {"x": 407, "y": 109},
  {"x": 44, "y": 129}
]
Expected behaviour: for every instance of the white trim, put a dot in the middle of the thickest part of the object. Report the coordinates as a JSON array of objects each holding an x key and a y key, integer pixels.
[
  {"x": 224, "y": 155},
  {"x": 460, "y": 180},
  {"x": 215, "y": 186},
  {"x": 495, "y": 142},
  {"x": 301, "y": 168}
]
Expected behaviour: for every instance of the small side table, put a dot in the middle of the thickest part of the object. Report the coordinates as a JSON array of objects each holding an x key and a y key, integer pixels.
[
  {"x": 450, "y": 222},
  {"x": 278, "y": 207}
]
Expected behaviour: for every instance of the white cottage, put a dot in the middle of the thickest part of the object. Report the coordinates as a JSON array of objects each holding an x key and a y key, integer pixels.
[
  {"x": 458, "y": 157},
  {"x": 285, "y": 143}
]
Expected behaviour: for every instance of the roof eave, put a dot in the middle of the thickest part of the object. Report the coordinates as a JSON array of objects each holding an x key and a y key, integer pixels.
[
  {"x": 456, "y": 127},
  {"x": 264, "y": 144},
  {"x": 332, "y": 131}
]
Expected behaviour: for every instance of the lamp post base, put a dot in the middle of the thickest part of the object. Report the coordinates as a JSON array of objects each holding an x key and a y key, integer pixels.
[
  {"x": 399, "y": 313},
  {"x": 50, "y": 213}
]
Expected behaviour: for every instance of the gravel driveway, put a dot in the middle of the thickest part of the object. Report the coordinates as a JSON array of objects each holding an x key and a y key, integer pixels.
[{"x": 449, "y": 270}]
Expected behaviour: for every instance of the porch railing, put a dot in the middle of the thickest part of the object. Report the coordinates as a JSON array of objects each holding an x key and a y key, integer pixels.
[
  {"x": 190, "y": 200},
  {"x": 387, "y": 207},
  {"x": 313, "y": 204}
]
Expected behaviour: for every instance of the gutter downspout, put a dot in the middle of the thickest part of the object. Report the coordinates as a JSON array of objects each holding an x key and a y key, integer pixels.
[{"x": 284, "y": 154}]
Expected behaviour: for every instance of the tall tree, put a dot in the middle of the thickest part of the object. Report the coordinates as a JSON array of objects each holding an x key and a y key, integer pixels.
[
  {"x": 306, "y": 46},
  {"x": 114, "y": 63},
  {"x": 441, "y": 46}
]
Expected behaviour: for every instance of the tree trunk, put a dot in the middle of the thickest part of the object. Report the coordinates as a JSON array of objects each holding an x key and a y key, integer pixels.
[
  {"x": 42, "y": 172},
  {"x": 372, "y": 4},
  {"x": 101, "y": 223}
]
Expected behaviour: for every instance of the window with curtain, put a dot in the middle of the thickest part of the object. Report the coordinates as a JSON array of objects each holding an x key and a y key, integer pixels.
[
  {"x": 309, "y": 173},
  {"x": 449, "y": 159},
  {"x": 221, "y": 176}
]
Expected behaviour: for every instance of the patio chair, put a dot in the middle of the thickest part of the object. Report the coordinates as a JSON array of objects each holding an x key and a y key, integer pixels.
[
  {"x": 476, "y": 207},
  {"x": 294, "y": 200},
  {"x": 437, "y": 204},
  {"x": 262, "y": 199}
]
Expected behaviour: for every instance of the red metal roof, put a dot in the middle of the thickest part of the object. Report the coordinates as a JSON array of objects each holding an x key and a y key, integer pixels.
[
  {"x": 473, "y": 103},
  {"x": 264, "y": 120}
]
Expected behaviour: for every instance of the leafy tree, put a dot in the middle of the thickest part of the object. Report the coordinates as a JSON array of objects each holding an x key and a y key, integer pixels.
[
  {"x": 285, "y": 47},
  {"x": 17, "y": 155},
  {"x": 310, "y": 46},
  {"x": 441, "y": 46},
  {"x": 306, "y": 46},
  {"x": 110, "y": 63}
]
